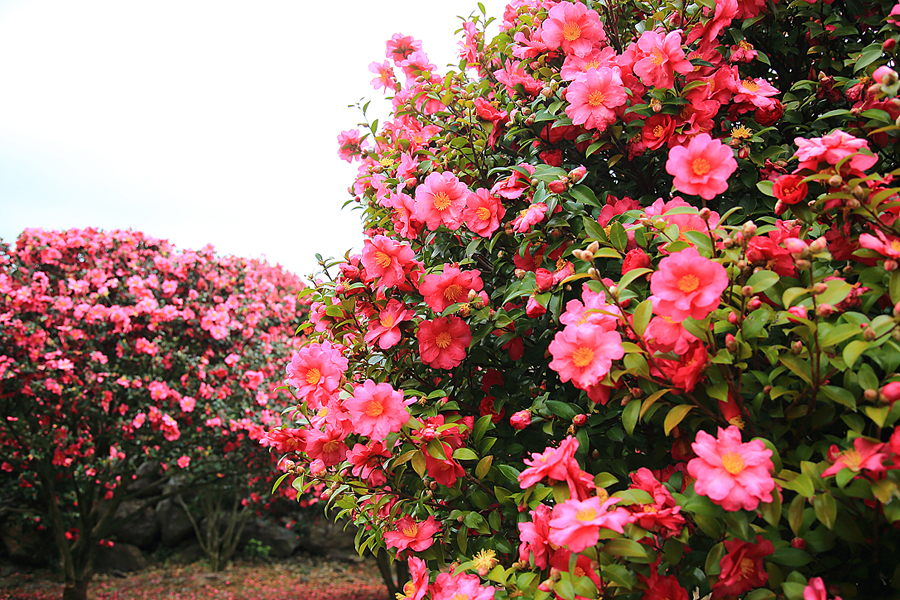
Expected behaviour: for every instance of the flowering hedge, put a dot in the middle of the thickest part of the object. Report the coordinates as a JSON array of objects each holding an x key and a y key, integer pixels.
[
  {"x": 120, "y": 352},
  {"x": 623, "y": 324}
]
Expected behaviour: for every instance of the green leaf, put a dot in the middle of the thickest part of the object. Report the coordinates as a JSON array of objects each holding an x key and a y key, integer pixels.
[
  {"x": 630, "y": 416},
  {"x": 483, "y": 466},
  {"x": 762, "y": 280},
  {"x": 766, "y": 187},
  {"x": 630, "y": 276},
  {"x": 481, "y": 426},
  {"x": 675, "y": 416},
  {"x": 895, "y": 287},
  {"x": 561, "y": 409},
  {"x": 792, "y": 294},
  {"x": 604, "y": 480},
  {"x": 619, "y": 575},
  {"x": 795, "y": 514},
  {"x": 642, "y": 315},
  {"x": 839, "y": 395},
  {"x": 626, "y": 548},
  {"x": 826, "y": 509},
  {"x": 618, "y": 237},
  {"x": 418, "y": 463},
  {"x": 798, "y": 366},
  {"x": 760, "y": 594},
  {"x": 790, "y": 557},
  {"x": 648, "y": 402},
  {"x": 436, "y": 450},
  {"x": 837, "y": 290},
  {"x": 464, "y": 454},
  {"x": 771, "y": 511},
  {"x": 853, "y": 350},
  {"x": 585, "y": 195},
  {"x": 593, "y": 229}
]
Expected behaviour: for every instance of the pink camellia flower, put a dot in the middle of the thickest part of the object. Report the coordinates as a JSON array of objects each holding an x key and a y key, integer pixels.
[
  {"x": 386, "y": 260},
  {"x": 866, "y": 455},
  {"x": 449, "y": 287},
  {"x": 687, "y": 285},
  {"x": 460, "y": 587},
  {"x": 584, "y": 353},
  {"x": 316, "y": 371},
  {"x": 558, "y": 464},
  {"x": 572, "y": 27},
  {"x": 376, "y": 409},
  {"x": 535, "y": 537},
  {"x": 815, "y": 590},
  {"x": 757, "y": 92},
  {"x": 385, "y": 329},
  {"x": 443, "y": 342},
  {"x": 417, "y": 586},
  {"x": 367, "y": 458},
  {"x": 416, "y": 536},
  {"x": 440, "y": 200},
  {"x": 732, "y": 474},
  {"x": 886, "y": 245},
  {"x": 350, "y": 145},
  {"x": 532, "y": 215},
  {"x": 702, "y": 167},
  {"x": 593, "y": 96},
  {"x": 520, "y": 420},
  {"x": 832, "y": 148},
  {"x": 576, "y": 523},
  {"x": 591, "y": 309},
  {"x": 187, "y": 403},
  {"x": 666, "y": 335},
  {"x": 664, "y": 57},
  {"x": 327, "y": 446},
  {"x": 483, "y": 212},
  {"x": 385, "y": 77},
  {"x": 184, "y": 462}
]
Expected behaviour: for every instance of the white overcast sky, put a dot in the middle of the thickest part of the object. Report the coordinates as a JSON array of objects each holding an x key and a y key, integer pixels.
[{"x": 199, "y": 121}]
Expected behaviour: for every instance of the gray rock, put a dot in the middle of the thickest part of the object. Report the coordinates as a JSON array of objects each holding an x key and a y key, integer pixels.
[
  {"x": 142, "y": 530},
  {"x": 121, "y": 557},
  {"x": 24, "y": 542},
  {"x": 281, "y": 540},
  {"x": 146, "y": 474},
  {"x": 173, "y": 522},
  {"x": 331, "y": 539},
  {"x": 187, "y": 552}
]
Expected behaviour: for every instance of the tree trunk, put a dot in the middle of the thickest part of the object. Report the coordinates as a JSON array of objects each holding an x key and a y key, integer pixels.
[{"x": 76, "y": 589}]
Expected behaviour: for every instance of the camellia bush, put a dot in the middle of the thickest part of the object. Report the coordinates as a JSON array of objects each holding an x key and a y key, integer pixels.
[
  {"x": 124, "y": 357},
  {"x": 625, "y": 320}
]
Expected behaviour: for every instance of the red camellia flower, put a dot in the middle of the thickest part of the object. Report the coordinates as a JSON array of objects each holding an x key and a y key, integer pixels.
[
  {"x": 443, "y": 341},
  {"x": 790, "y": 188},
  {"x": 742, "y": 567}
]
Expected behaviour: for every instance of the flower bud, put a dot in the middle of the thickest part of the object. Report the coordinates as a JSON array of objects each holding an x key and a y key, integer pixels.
[
  {"x": 747, "y": 291},
  {"x": 871, "y": 395},
  {"x": 730, "y": 342},
  {"x": 835, "y": 181},
  {"x": 780, "y": 207},
  {"x": 890, "y": 392},
  {"x": 802, "y": 264},
  {"x": 655, "y": 105},
  {"x": 577, "y": 174},
  {"x": 520, "y": 273},
  {"x": 579, "y": 419},
  {"x": 798, "y": 543},
  {"x": 738, "y": 238},
  {"x": 796, "y": 247},
  {"x": 825, "y": 310},
  {"x": 869, "y": 334},
  {"x": 754, "y": 303},
  {"x": 593, "y": 247},
  {"x": 520, "y": 420},
  {"x": 852, "y": 204},
  {"x": 732, "y": 318},
  {"x": 890, "y": 265},
  {"x": 820, "y": 288},
  {"x": 743, "y": 152},
  {"x": 558, "y": 186},
  {"x": 797, "y": 347},
  {"x": 889, "y": 44}
]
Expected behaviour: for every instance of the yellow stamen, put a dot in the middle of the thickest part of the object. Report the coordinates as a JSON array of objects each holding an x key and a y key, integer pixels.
[
  {"x": 688, "y": 283},
  {"x": 732, "y": 462},
  {"x": 701, "y": 166},
  {"x": 441, "y": 201},
  {"x": 442, "y": 340},
  {"x": 582, "y": 357},
  {"x": 571, "y": 31}
]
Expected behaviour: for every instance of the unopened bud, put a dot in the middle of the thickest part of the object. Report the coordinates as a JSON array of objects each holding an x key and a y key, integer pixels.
[
  {"x": 754, "y": 303},
  {"x": 593, "y": 247},
  {"x": 798, "y": 543},
  {"x": 520, "y": 273},
  {"x": 655, "y": 105},
  {"x": 747, "y": 291},
  {"x": 825, "y": 310},
  {"x": 802, "y": 264},
  {"x": 732, "y": 318},
  {"x": 579, "y": 420},
  {"x": 870, "y": 395},
  {"x": 852, "y": 203},
  {"x": 818, "y": 245},
  {"x": 705, "y": 213},
  {"x": 738, "y": 238},
  {"x": 637, "y": 392},
  {"x": 889, "y": 44},
  {"x": 743, "y": 152},
  {"x": 767, "y": 390},
  {"x": 835, "y": 181},
  {"x": 593, "y": 273},
  {"x": 820, "y": 288},
  {"x": 890, "y": 265},
  {"x": 797, "y": 347},
  {"x": 869, "y": 334},
  {"x": 730, "y": 342},
  {"x": 558, "y": 186},
  {"x": 860, "y": 193}
]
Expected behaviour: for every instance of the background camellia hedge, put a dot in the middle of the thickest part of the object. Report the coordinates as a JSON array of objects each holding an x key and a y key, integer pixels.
[
  {"x": 129, "y": 369},
  {"x": 624, "y": 320}
]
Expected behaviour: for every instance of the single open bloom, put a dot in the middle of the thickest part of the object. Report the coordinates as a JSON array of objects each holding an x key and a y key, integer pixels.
[
  {"x": 584, "y": 353},
  {"x": 702, "y": 167},
  {"x": 443, "y": 342},
  {"x": 576, "y": 524},
  {"x": 416, "y": 536},
  {"x": 732, "y": 474},
  {"x": 449, "y": 287},
  {"x": 376, "y": 409},
  {"x": 440, "y": 200},
  {"x": 572, "y": 27},
  {"x": 593, "y": 96},
  {"x": 687, "y": 285}
]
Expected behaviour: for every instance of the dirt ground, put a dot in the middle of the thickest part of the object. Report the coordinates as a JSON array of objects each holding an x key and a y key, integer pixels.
[{"x": 296, "y": 578}]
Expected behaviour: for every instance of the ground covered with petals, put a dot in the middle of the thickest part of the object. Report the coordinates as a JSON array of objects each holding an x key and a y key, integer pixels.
[{"x": 294, "y": 578}]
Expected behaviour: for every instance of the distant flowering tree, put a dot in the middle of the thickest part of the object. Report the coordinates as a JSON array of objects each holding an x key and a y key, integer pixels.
[
  {"x": 119, "y": 351},
  {"x": 646, "y": 257}
]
